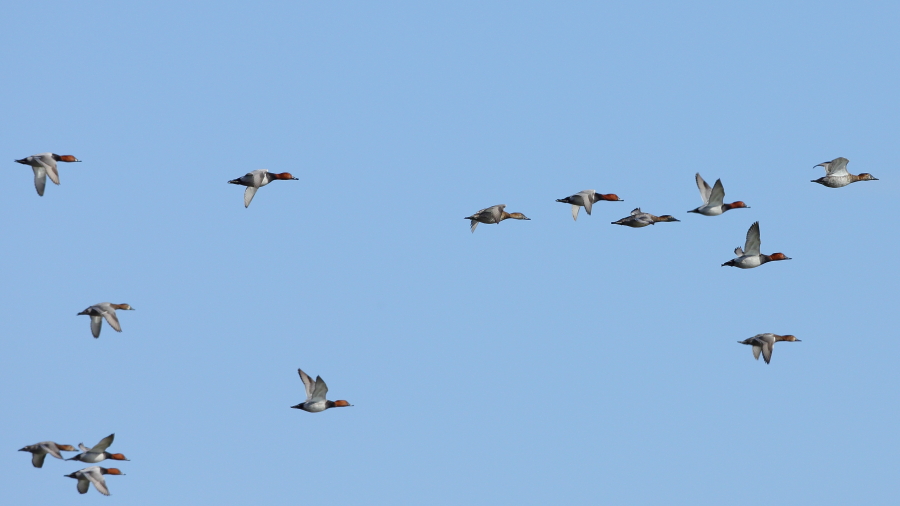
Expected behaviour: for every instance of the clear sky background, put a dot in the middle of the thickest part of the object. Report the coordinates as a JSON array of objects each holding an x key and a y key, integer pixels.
[{"x": 532, "y": 362}]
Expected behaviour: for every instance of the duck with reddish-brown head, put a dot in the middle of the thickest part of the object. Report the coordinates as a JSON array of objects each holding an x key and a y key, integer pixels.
[
  {"x": 44, "y": 165},
  {"x": 586, "y": 199},
  {"x": 258, "y": 178},
  {"x": 98, "y": 453},
  {"x": 750, "y": 257},
  {"x": 315, "y": 395},
  {"x": 764, "y": 343}
]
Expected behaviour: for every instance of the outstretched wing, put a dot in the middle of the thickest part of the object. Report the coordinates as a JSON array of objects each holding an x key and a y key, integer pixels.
[
  {"x": 587, "y": 199},
  {"x": 636, "y": 211},
  {"x": 248, "y": 195},
  {"x": 37, "y": 459},
  {"x": 112, "y": 320},
  {"x": 320, "y": 391},
  {"x": 52, "y": 450},
  {"x": 756, "y": 350},
  {"x": 751, "y": 246},
  {"x": 703, "y": 187},
  {"x": 308, "y": 384},
  {"x": 98, "y": 481},
  {"x": 767, "y": 351},
  {"x": 40, "y": 179},
  {"x": 717, "y": 195},
  {"x": 836, "y": 167},
  {"x": 50, "y": 165},
  {"x": 104, "y": 443},
  {"x": 497, "y": 212},
  {"x": 96, "y": 325}
]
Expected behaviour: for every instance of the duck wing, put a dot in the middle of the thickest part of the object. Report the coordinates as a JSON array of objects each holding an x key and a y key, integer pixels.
[
  {"x": 636, "y": 211},
  {"x": 320, "y": 391},
  {"x": 96, "y": 325},
  {"x": 103, "y": 444},
  {"x": 497, "y": 212},
  {"x": 49, "y": 165},
  {"x": 751, "y": 245},
  {"x": 37, "y": 459},
  {"x": 767, "y": 352},
  {"x": 587, "y": 199},
  {"x": 704, "y": 188},
  {"x": 83, "y": 485},
  {"x": 97, "y": 479},
  {"x": 308, "y": 383},
  {"x": 836, "y": 167},
  {"x": 248, "y": 195},
  {"x": 717, "y": 194},
  {"x": 111, "y": 319},
  {"x": 40, "y": 179},
  {"x": 52, "y": 449}
]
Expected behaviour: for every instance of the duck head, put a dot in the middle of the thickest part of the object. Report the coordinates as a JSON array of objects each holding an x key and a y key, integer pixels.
[{"x": 736, "y": 205}]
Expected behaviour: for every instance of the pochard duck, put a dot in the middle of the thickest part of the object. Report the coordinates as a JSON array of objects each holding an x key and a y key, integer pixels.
[
  {"x": 93, "y": 474},
  {"x": 256, "y": 179},
  {"x": 44, "y": 165},
  {"x": 750, "y": 257},
  {"x": 98, "y": 453},
  {"x": 40, "y": 450},
  {"x": 315, "y": 395},
  {"x": 98, "y": 312},
  {"x": 836, "y": 174},
  {"x": 493, "y": 214},
  {"x": 765, "y": 342},
  {"x": 586, "y": 199},
  {"x": 713, "y": 199},
  {"x": 639, "y": 219}
]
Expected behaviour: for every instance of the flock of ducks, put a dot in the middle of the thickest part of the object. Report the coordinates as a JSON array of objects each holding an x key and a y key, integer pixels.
[
  {"x": 44, "y": 165},
  {"x": 88, "y": 475},
  {"x": 748, "y": 257}
]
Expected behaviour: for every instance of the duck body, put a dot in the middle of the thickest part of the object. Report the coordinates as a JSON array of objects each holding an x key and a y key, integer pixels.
[
  {"x": 315, "y": 395},
  {"x": 93, "y": 474},
  {"x": 44, "y": 164},
  {"x": 98, "y": 453},
  {"x": 713, "y": 199},
  {"x": 257, "y": 179},
  {"x": 750, "y": 257},
  {"x": 639, "y": 219},
  {"x": 586, "y": 199},
  {"x": 40, "y": 450},
  {"x": 106, "y": 310},
  {"x": 764, "y": 343},
  {"x": 491, "y": 215},
  {"x": 837, "y": 175}
]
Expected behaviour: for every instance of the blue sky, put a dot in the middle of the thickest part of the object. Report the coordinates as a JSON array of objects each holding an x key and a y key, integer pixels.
[{"x": 527, "y": 363}]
